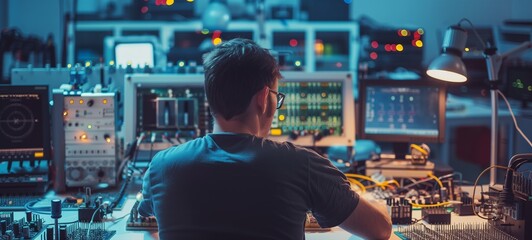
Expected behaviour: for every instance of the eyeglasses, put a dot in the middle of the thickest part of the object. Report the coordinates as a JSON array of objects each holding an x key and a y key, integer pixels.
[{"x": 280, "y": 98}]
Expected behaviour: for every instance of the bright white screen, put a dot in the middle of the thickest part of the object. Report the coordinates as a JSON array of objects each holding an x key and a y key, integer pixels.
[{"x": 136, "y": 54}]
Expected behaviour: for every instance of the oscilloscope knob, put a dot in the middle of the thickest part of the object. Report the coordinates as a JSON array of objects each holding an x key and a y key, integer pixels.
[
  {"x": 90, "y": 103},
  {"x": 76, "y": 173}
]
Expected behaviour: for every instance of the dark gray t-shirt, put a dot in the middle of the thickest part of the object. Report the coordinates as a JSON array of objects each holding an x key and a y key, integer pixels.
[{"x": 238, "y": 186}]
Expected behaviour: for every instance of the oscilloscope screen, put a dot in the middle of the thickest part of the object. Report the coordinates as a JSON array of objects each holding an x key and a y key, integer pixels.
[{"x": 24, "y": 122}]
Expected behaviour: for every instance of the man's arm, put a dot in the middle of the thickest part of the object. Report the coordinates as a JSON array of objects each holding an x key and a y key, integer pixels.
[
  {"x": 145, "y": 207},
  {"x": 369, "y": 221}
]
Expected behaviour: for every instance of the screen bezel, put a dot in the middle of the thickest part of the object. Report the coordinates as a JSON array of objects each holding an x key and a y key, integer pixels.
[{"x": 395, "y": 137}]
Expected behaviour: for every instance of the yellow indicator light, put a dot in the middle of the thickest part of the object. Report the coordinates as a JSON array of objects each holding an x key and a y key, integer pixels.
[
  {"x": 71, "y": 101},
  {"x": 323, "y": 94},
  {"x": 190, "y": 0},
  {"x": 216, "y": 41},
  {"x": 65, "y": 113},
  {"x": 404, "y": 33},
  {"x": 79, "y": 201},
  {"x": 399, "y": 47},
  {"x": 181, "y": 63},
  {"x": 104, "y": 101},
  {"x": 419, "y": 43},
  {"x": 84, "y": 136},
  {"x": 281, "y": 117},
  {"x": 466, "y": 49},
  {"x": 89, "y": 126},
  {"x": 38, "y": 154},
  {"x": 108, "y": 140},
  {"x": 81, "y": 101},
  {"x": 169, "y": 2},
  {"x": 69, "y": 65},
  {"x": 276, "y": 132},
  {"x": 297, "y": 63},
  {"x": 319, "y": 47},
  {"x": 111, "y": 63},
  {"x": 87, "y": 64},
  {"x": 204, "y": 31}
]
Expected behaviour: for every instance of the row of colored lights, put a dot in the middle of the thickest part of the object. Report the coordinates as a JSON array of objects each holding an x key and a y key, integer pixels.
[{"x": 145, "y": 9}]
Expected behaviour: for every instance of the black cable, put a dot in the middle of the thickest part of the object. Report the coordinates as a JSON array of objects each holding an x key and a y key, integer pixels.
[{"x": 122, "y": 190}]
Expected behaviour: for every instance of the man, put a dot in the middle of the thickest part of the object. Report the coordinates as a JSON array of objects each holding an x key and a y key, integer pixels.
[{"x": 234, "y": 183}]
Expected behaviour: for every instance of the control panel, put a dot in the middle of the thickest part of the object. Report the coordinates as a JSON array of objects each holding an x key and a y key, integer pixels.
[{"x": 90, "y": 139}]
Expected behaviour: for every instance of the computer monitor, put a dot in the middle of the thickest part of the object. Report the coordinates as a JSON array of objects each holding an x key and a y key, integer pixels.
[
  {"x": 318, "y": 109},
  {"x": 24, "y": 123},
  {"x": 134, "y": 54},
  {"x": 402, "y": 112},
  {"x": 165, "y": 104}
]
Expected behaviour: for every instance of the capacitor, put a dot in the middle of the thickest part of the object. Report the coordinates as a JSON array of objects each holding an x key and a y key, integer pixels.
[
  {"x": 49, "y": 233},
  {"x": 3, "y": 226},
  {"x": 62, "y": 232},
  {"x": 26, "y": 232},
  {"x": 56, "y": 208},
  {"x": 16, "y": 229},
  {"x": 29, "y": 216}
]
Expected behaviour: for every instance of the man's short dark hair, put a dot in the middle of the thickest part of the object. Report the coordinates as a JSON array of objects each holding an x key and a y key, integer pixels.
[{"x": 234, "y": 72}]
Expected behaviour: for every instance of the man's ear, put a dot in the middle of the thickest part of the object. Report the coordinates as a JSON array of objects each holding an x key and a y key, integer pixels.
[{"x": 261, "y": 99}]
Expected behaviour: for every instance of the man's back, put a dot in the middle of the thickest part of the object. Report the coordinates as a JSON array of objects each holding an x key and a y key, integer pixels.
[{"x": 237, "y": 186}]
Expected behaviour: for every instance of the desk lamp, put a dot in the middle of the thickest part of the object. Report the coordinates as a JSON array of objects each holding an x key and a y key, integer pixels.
[{"x": 449, "y": 67}]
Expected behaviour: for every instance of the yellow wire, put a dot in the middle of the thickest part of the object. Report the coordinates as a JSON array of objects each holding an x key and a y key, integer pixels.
[
  {"x": 430, "y": 205},
  {"x": 476, "y": 182},
  {"x": 353, "y": 175},
  {"x": 393, "y": 181},
  {"x": 360, "y": 185},
  {"x": 436, "y": 178}
]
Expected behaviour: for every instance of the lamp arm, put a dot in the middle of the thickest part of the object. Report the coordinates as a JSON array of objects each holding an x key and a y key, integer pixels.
[
  {"x": 494, "y": 60},
  {"x": 522, "y": 47}
]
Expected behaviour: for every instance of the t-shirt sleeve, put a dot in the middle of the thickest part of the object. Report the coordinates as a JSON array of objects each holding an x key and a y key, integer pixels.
[
  {"x": 332, "y": 199},
  {"x": 145, "y": 207}
]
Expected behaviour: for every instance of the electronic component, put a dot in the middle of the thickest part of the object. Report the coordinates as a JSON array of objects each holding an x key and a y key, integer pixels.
[
  {"x": 140, "y": 223},
  {"x": 399, "y": 168},
  {"x": 436, "y": 215},
  {"x": 170, "y": 108},
  {"x": 25, "y": 228},
  {"x": 96, "y": 231},
  {"x": 400, "y": 210},
  {"x": 90, "y": 146},
  {"x": 454, "y": 231},
  {"x": 511, "y": 206},
  {"x": 466, "y": 208},
  {"x": 25, "y": 139},
  {"x": 401, "y": 112},
  {"x": 318, "y": 109}
]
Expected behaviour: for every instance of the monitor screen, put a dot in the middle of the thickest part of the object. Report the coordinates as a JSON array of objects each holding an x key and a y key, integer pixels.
[
  {"x": 402, "y": 111},
  {"x": 24, "y": 123},
  {"x": 136, "y": 54},
  {"x": 316, "y": 104}
]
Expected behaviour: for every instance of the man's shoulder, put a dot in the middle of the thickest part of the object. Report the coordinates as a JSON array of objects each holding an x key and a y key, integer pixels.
[{"x": 186, "y": 149}]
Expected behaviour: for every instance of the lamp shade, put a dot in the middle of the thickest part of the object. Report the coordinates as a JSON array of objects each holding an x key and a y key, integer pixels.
[
  {"x": 216, "y": 16},
  {"x": 448, "y": 67}
]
